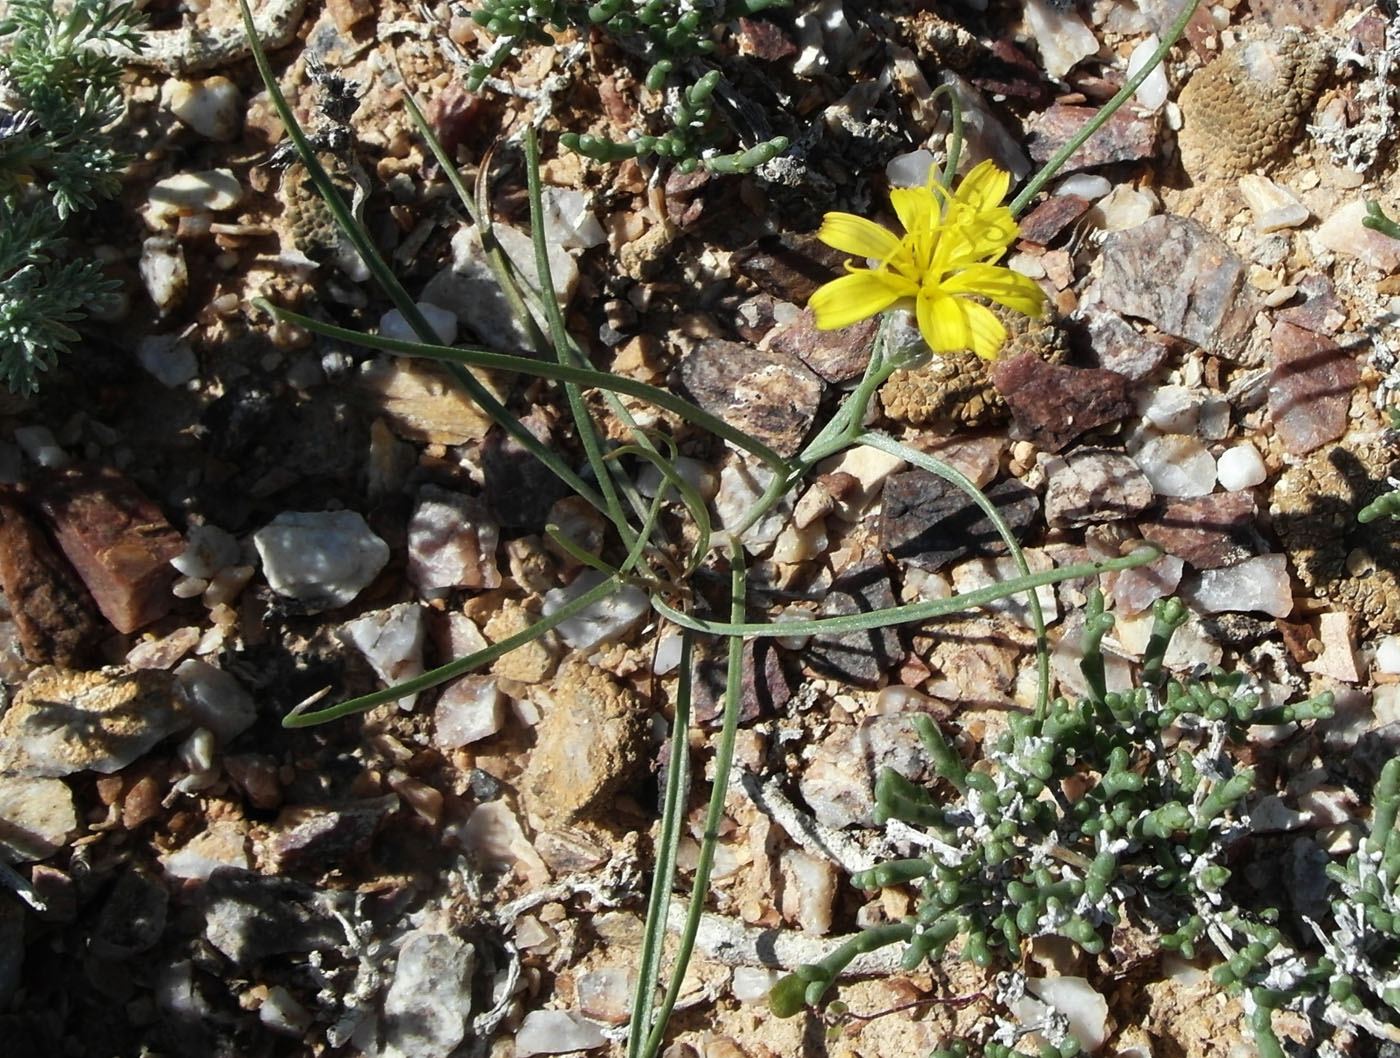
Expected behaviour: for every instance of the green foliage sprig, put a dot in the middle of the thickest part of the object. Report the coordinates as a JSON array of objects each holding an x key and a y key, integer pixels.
[
  {"x": 671, "y": 35},
  {"x": 57, "y": 158}
]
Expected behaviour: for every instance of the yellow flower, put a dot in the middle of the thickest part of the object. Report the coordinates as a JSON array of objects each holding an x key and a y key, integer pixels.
[{"x": 944, "y": 259}]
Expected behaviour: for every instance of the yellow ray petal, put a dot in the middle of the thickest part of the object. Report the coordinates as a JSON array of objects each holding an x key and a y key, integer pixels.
[
  {"x": 855, "y": 297},
  {"x": 1002, "y": 285},
  {"x": 983, "y": 188},
  {"x": 915, "y": 208},
  {"x": 952, "y": 324},
  {"x": 856, "y": 235},
  {"x": 986, "y": 330}
]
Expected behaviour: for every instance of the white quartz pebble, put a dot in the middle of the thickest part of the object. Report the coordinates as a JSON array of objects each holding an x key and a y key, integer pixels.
[
  {"x": 391, "y": 641},
  {"x": 1388, "y": 655},
  {"x": 323, "y": 559},
  {"x": 1240, "y": 467},
  {"x": 556, "y": 1032},
  {"x": 443, "y": 323},
  {"x": 606, "y": 621},
  {"x": 1177, "y": 465},
  {"x": 212, "y": 107}
]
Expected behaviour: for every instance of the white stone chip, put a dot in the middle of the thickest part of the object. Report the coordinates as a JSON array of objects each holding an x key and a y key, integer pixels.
[
  {"x": 323, "y": 559},
  {"x": 168, "y": 358},
  {"x": 1388, "y": 655},
  {"x": 36, "y": 817},
  {"x": 391, "y": 641},
  {"x": 429, "y": 1001},
  {"x": 1176, "y": 464},
  {"x": 208, "y": 549},
  {"x": 208, "y": 191},
  {"x": 569, "y": 220},
  {"x": 1152, "y": 93},
  {"x": 1344, "y": 233},
  {"x": 164, "y": 272},
  {"x": 1274, "y": 207},
  {"x": 909, "y": 170},
  {"x": 1240, "y": 467},
  {"x": 1061, "y": 35},
  {"x": 468, "y": 710},
  {"x": 1085, "y": 185},
  {"x": 1077, "y": 1000},
  {"x": 443, "y": 322},
  {"x": 212, "y": 107},
  {"x": 42, "y": 448},
  {"x": 1258, "y": 584},
  {"x": 606, "y": 621},
  {"x": 556, "y": 1032},
  {"x": 216, "y": 698}
]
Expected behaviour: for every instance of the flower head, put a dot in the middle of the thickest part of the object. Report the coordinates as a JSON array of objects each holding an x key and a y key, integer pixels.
[{"x": 942, "y": 262}]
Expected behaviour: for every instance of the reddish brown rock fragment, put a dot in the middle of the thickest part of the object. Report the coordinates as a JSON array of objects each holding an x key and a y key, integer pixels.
[
  {"x": 837, "y": 356},
  {"x": 1129, "y": 136},
  {"x": 1042, "y": 224},
  {"x": 1052, "y": 404},
  {"x": 118, "y": 541},
  {"x": 454, "y": 114},
  {"x": 1207, "y": 532},
  {"x": 1310, "y": 388},
  {"x": 789, "y": 266},
  {"x": 1319, "y": 311},
  {"x": 763, "y": 40},
  {"x": 55, "y": 617}
]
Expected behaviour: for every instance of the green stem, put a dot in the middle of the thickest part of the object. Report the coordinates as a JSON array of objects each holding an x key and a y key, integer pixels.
[
  {"x": 909, "y": 613},
  {"x": 365, "y": 247},
  {"x": 443, "y": 673},
  {"x": 724, "y": 759},
  {"x": 664, "y": 874},
  {"x": 558, "y": 333}
]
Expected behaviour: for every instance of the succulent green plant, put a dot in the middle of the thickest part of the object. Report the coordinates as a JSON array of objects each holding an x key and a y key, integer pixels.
[
  {"x": 57, "y": 159},
  {"x": 1009, "y": 856},
  {"x": 672, "y": 37}
]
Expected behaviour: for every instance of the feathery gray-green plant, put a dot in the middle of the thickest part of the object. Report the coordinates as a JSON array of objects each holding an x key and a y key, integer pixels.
[{"x": 58, "y": 99}]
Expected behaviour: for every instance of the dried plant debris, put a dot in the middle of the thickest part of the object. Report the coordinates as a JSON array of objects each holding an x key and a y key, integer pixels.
[{"x": 1245, "y": 107}]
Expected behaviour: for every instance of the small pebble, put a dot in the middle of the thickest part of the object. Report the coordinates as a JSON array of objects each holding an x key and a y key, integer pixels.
[
  {"x": 164, "y": 272},
  {"x": 1084, "y": 185},
  {"x": 1152, "y": 93},
  {"x": 1176, "y": 464},
  {"x": 216, "y": 699},
  {"x": 468, "y": 710},
  {"x": 1061, "y": 35},
  {"x": 209, "y": 550},
  {"x": 40, "y": 445},
  {"x": 168, "y": 358},
  {"x": 212, "y": 107},
  {"x": 1257, "y": 584},
  {"x": 210, "y": 191},
  {"x": 1388, "y": 655},
  {"x": 556, "y": 1032},
  {"x": 606, "y": 621},
  {"x": 323, "y": 559},
  {"x": 1275, "y": 208},
  {"x": 443, "y": 322},
  {"x": 1240, "y": 467},
  {"x": 391, "y": 641}
]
